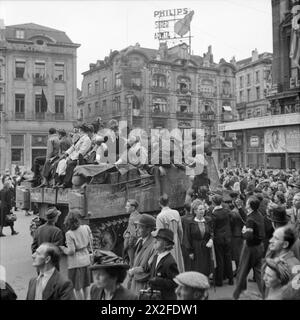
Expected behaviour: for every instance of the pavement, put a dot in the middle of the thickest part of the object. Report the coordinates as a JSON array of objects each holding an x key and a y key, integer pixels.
[{"x": 15, "y": 256}]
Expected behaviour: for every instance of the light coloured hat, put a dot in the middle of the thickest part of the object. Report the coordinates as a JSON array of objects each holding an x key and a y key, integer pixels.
[{"x": 192, "y": 279}]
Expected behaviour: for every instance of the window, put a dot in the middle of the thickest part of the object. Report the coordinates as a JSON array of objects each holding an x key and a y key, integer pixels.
[
  {"x": 249, "y": 113},
  {"x": 159, "y": 80},
  {"x": 17, "y": 149},
  {"x": 257, "y": 93},
  {"x": 116, "y": 104},
  {"x": 248, "y": 79},
  {"x": 136, "y": 82},
  {"x": 183, "y": 105},
  {"x": 248, "y": 95},
  {"x": 226, "y": 88},
  {"x": 20, "y": 34},
  {"x": 20, "y": 69},
  {"x": 39, "y": 70},
  {"x": 241, "y": 81},
  {"x": 104, "y": 106},
  {"x": 20, "y": 106},
  {"x": 38, "y": 146},
  {"x": 89, "y": 109},
  {"x": 89, "y": 88},
  {"x": 118, "y": 80},
  {"x": 257, "y": 76},
  {"x": 59, "y": 107},
  {"x": 241, "y": 96},
  {"x": 104, "y": 84},
  {"x": 97, "y": 110},
  {"x": 96, "y": 86},
  {"x": 183, "y": 84},
  {"x": 59, "y": 70},
  {"x": 39, "y": 109},
  {"x": 159, "y": 105},
  {"x": 258, "y": 112}
]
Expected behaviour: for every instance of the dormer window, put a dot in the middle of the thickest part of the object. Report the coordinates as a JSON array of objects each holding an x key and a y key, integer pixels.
[
  {"x": 20, "y": 34},
  {"x": 39, "y": 42}
]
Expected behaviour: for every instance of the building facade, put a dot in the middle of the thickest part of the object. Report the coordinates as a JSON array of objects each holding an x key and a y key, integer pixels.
[
  {"x": 164, "y": 88},
  {"x": 38, "y": 90},
  {"x": 272, "y": 141}
]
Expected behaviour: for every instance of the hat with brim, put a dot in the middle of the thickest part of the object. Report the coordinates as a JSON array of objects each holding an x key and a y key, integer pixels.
[
  {"x": 165, "y": 234},
  {"x": 278, "y": 215},
  {"x": 106, "y": 260},
  {"x": 146, "y": 220},
  {"x": 52, "y": 213}
]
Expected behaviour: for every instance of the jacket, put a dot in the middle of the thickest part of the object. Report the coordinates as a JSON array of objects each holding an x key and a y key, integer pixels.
[
  {"x": 47, "y": 233},
  {"x": 141, "y": 259},
  {"x": 82, "y": 146},
  {"x": 221, "y": 224},
  {"x": 162, "y": 275},
  {"x": 57, "y": 288},
  {"x": 255, "y": 221},
  {"x": 52, "y": 146},
  {"x": 65, "y": 143}
]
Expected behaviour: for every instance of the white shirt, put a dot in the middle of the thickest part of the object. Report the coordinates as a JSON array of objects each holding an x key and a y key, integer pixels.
[
  {"x": 160, "y": 256},
  {"x": 45, "y": 278}
]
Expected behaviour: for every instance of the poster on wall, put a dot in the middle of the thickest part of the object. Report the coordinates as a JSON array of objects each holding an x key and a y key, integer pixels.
[
  {"x": 292, "y": 139},
  {"x": 275, "y": 141},
  {"x": 282, "y": 140}
]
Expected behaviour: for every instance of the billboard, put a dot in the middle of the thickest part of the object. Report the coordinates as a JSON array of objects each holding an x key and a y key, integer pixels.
[{"x": 281, "y": 140}]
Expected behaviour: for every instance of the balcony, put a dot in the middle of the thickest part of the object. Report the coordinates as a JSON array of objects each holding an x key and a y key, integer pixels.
[
  {"x": 184, "y": 91},
  {"x": 227, "y": 117},
  {"x": 39, "y": 81},
  {"x": 40, "y": 116},
  {"x": 226, "y": 96},
  {"x": 160, "y": 89},
  {"x": 184, "y": 115},
  {"x": 203, "y": 94},
  {"x": 59, "y": 116},
  {"x": 207, "y": 116},
  {"x": 20, "y": 115},
  {"x": 160, "y": 114}
]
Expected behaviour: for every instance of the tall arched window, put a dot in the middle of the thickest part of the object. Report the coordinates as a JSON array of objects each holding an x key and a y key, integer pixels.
[
  {"x": 159, "y": 105},
  {"x": 226, "y": 87},
  {"x": 159, "y": 80}
]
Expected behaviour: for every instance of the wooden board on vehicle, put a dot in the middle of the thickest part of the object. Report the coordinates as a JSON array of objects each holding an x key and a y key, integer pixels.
[
  {"x": 37, "y": 195},
  {"x": 63, "y": 196},
  {"x": 50, "y": 195}
]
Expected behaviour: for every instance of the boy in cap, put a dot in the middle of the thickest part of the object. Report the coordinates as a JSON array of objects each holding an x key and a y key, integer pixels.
[
  {"x": 48, "y": 232},
  {"x": 192, "y": 285},
  {"x": 163, "y": 268}
]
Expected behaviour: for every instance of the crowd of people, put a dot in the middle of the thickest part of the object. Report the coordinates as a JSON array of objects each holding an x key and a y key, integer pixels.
[{"x": 251, "y": 221}]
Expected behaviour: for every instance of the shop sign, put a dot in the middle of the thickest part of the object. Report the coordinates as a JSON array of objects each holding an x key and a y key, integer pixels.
[
  {"x": 228, "y": 144},
  {"x": 254, "y": 141}
]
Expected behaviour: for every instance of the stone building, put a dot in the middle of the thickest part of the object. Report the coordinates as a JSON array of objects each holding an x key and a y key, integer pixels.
[
  {"x": 164, "y": 88},
  {"x": 36, "y": 62},
  {"x": 272, "y": 140}
]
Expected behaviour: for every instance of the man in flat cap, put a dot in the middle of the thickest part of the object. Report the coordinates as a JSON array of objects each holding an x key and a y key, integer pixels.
[
  {"x": 48, "y": 232},
  {"x": 192, "y": 285},
  {"x": 144, "y": 251}
]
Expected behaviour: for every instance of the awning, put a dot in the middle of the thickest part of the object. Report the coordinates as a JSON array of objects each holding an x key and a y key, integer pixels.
[{"x": 227, "y": 108}]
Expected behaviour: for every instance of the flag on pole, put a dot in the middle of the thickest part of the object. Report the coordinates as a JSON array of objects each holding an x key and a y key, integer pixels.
[
  {"x": 295, "y": 35},
  {"x": 43, "y": 102},
  {"x": 182, "y": 26}
]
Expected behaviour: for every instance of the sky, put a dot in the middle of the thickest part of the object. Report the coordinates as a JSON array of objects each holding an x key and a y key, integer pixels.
[{"x": 231, "y": 27}]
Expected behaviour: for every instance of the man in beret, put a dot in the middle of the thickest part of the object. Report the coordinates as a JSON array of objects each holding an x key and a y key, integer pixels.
[
  {"x": 48, "y": 232},
  {"x": 192, "y": 285},
  {"x": 144, "y": 250}
]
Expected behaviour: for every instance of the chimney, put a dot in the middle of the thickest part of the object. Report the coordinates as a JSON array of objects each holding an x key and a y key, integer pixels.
[
  {"x": 233, "y": 61},
  {"x": 163, "y": 49},
  {"x": 254, "y": 55}
]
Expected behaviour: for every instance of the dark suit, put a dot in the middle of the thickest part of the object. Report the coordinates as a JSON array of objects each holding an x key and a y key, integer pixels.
[
  {"x": 222, "y": 244},
  {"x": 47, "y": 233},
  {"x": 161, "y": 277},
  {"x": 252, "y": 253},
  {"x": 57, "y": 288},
  {"x": 120, "y": 294}
]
